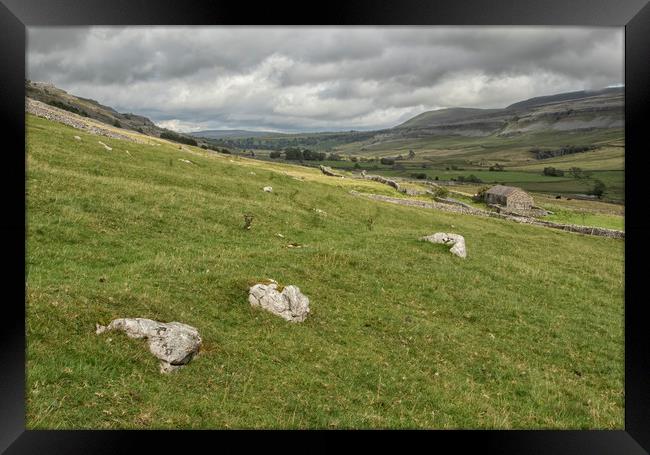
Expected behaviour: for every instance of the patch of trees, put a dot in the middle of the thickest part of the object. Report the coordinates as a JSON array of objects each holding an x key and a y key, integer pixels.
[
  {"x": 419, "y": 176},
  {"x": 177, "y": 138},
  {"x": 579, "y": 173},
  {"x": 275, "y": 154},
  {"x": 542, "y": 154},
  {"x": 441, "y": 191},
  {"x": 480, "y": 194},
  {"x": 296, "y": 154},
  {"x": 67, "y": 107},
  {"x": 552, "y": 172},
  {"x": 496, "y": 168},
  {"x": 469, "y": 179},
  {"x": 387, "y": 161},
  {"x": 598, "y": 189},
  {"x": 453, "y": 167}
]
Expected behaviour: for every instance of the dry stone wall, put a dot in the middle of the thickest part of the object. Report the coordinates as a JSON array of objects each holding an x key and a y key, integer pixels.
[{"x": 589, "y": 230}]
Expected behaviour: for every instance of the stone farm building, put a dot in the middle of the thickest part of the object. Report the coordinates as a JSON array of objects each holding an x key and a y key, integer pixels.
[{"x": 509, "y": 197}]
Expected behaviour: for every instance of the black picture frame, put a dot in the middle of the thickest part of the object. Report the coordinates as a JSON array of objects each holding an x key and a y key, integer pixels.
[{"x": 634, "y": 15}]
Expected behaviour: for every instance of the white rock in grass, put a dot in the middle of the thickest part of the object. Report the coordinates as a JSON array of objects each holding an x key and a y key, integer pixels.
[
  {"x": 268, "y": 189},
  {"x": 77, "y": 138},
  {"x": 174, "y": 343},
  {"x": 106, "y": 146},
  {"x": 458, "y": 242},
  {"x": 290, "y": 304}
]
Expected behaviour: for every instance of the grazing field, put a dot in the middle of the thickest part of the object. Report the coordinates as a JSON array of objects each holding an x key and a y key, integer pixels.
[
  {"x": 504, "y": 149},
  {"x": 530, "y": 180},
  {"x": 527, "y": 332}
]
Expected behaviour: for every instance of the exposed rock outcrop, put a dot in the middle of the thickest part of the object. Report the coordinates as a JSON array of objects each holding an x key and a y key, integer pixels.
[
  {"x": 290, "y": 304},
  {"x": 76, "y": 121},
  {"x": 174, "y": 343}
]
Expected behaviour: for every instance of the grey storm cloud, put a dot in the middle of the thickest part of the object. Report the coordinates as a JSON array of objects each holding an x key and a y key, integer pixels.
[{"x": 318, "y": 78}]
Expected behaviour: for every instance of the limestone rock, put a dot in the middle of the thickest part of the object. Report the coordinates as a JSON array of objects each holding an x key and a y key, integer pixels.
[
  {"x": 290, "y": 304},
  {"x": 268, "y": 189},
  {"x": 458, "y": 242},
  {"x": 174, "y": 343},
  {"x": 77, "y": 138}
]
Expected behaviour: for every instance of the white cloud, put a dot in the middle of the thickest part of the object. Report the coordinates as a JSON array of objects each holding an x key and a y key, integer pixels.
[{"x": 316, "y": 78}]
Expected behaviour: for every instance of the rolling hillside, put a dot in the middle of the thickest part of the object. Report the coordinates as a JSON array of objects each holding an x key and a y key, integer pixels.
[
  {"x": 225, "y": 134},
  {"x": 527, "y": 332},
  {"x": 564, "y": 118},
  {"x": 466, "y": 136}
]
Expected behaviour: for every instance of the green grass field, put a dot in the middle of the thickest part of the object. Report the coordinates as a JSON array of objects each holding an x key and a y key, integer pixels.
[{"x": 527, "y": 332}]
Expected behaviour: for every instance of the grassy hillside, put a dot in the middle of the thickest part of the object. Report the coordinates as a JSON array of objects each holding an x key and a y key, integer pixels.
[{"x": 527, "y": 332}]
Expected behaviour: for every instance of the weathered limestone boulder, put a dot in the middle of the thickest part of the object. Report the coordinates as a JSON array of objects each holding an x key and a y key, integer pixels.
[
  {"x": 268, "y": 189},
  {"x": 290, "y": 304},
  {"x": 458, "y": 242},
  {"x": 174, "y": 343}
]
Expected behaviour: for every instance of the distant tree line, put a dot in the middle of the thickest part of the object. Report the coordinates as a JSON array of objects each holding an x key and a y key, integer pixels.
[
  {"x": 541, "y": 154},
  {"x": 300, "y": 154},
  {"x": 177, "y": 138},
  {"x": 469, "y": 179},
  {"x": 215, "y": 149},
  {"x": 552, "y": 172},
  {"x": 281, "y": 142},
  {"x": 68, "y": 108}
]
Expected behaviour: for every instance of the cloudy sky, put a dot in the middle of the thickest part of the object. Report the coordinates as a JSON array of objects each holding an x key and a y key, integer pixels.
[{"x": 318, "y": 78}]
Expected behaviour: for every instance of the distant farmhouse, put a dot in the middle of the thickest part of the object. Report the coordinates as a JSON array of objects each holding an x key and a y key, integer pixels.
[{"x": 509, "y": 197}]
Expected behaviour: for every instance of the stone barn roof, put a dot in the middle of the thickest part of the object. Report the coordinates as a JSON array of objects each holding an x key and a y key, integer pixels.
[{"x": 501, "y": 190}]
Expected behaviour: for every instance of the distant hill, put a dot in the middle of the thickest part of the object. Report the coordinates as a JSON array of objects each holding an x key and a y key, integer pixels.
[
  {"x": 54, "y": 96},
  {"x": 569, "y": 96},
  {"x": 219, "y": 134},
  {"x": 445, "y": 116},
  {"x": 580, "y": 111}
]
